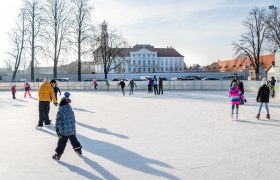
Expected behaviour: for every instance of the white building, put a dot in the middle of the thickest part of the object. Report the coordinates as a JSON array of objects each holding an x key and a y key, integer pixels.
[{"x": 143, "y": 58}]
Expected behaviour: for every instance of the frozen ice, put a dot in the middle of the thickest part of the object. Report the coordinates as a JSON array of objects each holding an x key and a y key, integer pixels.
[{"x": 177, "y": 135}]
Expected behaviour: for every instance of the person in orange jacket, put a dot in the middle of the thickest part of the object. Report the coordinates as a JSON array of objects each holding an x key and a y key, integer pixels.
[{"x": 46, "y": 95}]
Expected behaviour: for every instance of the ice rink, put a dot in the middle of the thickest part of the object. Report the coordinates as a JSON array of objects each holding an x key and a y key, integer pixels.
[{"x": 178, "y": 135}]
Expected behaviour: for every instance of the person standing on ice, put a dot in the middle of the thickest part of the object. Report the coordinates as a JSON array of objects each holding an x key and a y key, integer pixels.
[
  {"x": 131, "y": 84},
  {"x": 263, "y": 98},
  {"x": 66, "y": 129},
  {"x": 46, "y": 95},
  {"x": 94, "y": 83},
  {"x": 14, "y": 90},
  {"x": 56, "y": 90},
  {"x": 27, "y": 89},
  {"x": 235, "y": 97},
  {"x": 122, "y": 84},
  {"x": 155, "y": 82}
]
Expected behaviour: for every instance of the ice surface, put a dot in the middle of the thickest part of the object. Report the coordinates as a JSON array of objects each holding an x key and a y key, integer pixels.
[{"x": 178, "y": 135}]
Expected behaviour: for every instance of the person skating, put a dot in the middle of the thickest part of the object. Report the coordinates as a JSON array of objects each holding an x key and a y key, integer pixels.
[
  {"x": 14, "y": 90},
  {"x": 27, "y": 89},
  {"x": 131, "y": 84},
  {"x": 56, "y": 90},
  {"x": 122, "y": 84},
  {"x": 94, "y": 83},
  {"x": 236, "y": 96},
  {"x": 240, "y": 85},
  {"x": 66, "y": 129},
  {"x": 272, "y": 84},
  {"x": 107, "y": 84},
  {"x": 160, "y": 82},
  {"x": 263, "y": 98},
  {"x": 46, "y": 95},
  {"x": 155, "y": 82}
]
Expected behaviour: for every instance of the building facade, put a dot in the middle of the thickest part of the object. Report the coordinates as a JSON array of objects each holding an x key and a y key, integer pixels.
[{"x": 144, "y": 58}]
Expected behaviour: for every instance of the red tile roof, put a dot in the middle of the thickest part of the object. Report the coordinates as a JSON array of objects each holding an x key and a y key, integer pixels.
[{"x": 238, "y": 65}]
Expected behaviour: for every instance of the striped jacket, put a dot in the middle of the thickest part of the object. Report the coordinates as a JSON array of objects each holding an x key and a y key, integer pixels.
[
  {"x": 65, "y": 121},
  {"x": 235, "y": 95}
]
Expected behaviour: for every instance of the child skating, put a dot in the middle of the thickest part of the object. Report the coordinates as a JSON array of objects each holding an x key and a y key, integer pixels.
[
  {"x": 27, "y": 89},
  {"x": 66, "y": 129},
  {"x": 235, "y": 97},
  {"x": 263, "y": 98},
  {"x": 14, "y": 90}
]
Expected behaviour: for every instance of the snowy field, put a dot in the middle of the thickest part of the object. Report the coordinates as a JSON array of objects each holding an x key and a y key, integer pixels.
[{"x": 178, "y": 135}]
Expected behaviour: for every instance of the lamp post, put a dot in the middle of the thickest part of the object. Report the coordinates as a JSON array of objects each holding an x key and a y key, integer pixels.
[{"x": 123, "y": 71}]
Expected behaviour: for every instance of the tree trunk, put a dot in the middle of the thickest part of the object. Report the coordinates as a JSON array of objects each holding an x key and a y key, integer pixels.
[
  {"x": 79, "y": 57},
  {"x": 32, "y": 44}
]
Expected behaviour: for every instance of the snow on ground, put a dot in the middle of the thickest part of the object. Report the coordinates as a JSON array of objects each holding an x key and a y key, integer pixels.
[{"x": 178, "y": 135}]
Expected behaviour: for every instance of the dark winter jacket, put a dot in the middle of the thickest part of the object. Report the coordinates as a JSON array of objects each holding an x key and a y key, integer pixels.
[
  {"x": 160, "y": 82},
  {"x": 65, "y": 121},
  {"x": 122, "y": 84},
  {"x": 56, "y": 90},
  {"x": 132, "y": 84},
  {"x": 241, "y": 87},
  {"x": 263, "y": 94}
]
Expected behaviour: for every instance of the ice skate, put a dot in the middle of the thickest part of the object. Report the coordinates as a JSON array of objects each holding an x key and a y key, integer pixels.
[
  {"x": 38, "y": 127},
  {"x": 56, "y": 156},
  {"x": 236, "y": 117},
  {"x": 268, "y": 116},
  {"x": 258, "y": 116},
  {"x": 231, "y": 116},
  {"x": 79, "y": 151}
]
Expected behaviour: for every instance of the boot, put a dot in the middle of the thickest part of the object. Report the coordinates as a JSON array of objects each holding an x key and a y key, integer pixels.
[
  {"x": 231, "y": 116},
  {"x": 268, "y": 116},
  {"x": 56, "y": 156},
  {"x": 236, "y": 117},
  {"x": 258, "y": 116}
]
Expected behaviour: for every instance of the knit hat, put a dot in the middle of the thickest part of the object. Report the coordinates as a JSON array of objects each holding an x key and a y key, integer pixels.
[
  {"x": 264, "y": 81},
  {"x": 67, "y": 94}
]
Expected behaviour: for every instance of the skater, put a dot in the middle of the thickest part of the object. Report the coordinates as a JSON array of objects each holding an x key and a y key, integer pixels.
[
  {"x": 65, "y": 129},
  {"x": 122, "y": 84},
  {"x": 263, "y": 98},
  {"x": 107, "y": 84},
  {"x": 150, "y": 84},
  {"x": 67, "y": 96},
  {"x": 160, "y": 81},
  {"x": 27, "y": 89},
  {"x": 155, "y": 82},
  {"x": 131, "y": 84},
  {"x": 56, "y": 90},
  {"x": 240, "y": 85},
  {"x": 14, "y": 90},
  {"x": 233, "y": 80},
  {"x": 272, "y": 84},
  {"x": 46, "y": 95},
  {"x": 94, "y": 82},
  {"x": 236, "y": 96}
]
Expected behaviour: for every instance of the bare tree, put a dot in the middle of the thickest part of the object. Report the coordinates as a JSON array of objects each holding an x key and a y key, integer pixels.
[
  {"x": 273, "y": 24},
  {"x": 58, "y": 22},
  {"x": 18, "y": 40},
  {"x": 83, "y": 31},
  {"x": 251, "y": 44},
  {"x": 111, "y": 52},
  {"x": 33, "y": 10}
]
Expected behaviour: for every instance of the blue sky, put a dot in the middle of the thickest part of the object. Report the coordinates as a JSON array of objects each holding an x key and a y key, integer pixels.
[{"x": 201, "y": 30}]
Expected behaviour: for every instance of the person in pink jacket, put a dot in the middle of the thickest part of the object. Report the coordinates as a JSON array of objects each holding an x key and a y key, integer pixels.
[{"x": 235, "y": 97}]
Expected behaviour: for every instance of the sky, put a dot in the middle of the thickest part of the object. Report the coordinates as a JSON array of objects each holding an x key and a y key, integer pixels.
[{"x": 202, "y": 30}]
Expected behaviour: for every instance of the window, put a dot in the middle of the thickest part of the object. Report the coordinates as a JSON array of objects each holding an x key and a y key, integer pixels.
[
  {"x": 234, "y": 66},
  {"x": 148, "y": 62},
  {"x": 226, "y": 66},
  {"x": 139, "y": 62}
]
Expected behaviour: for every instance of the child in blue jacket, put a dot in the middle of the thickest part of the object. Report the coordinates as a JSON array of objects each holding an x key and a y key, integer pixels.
[{"x": 66, "y": 129}]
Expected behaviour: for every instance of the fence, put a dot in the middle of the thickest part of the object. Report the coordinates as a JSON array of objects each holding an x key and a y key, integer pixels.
[{"x": 142, "y": 85}]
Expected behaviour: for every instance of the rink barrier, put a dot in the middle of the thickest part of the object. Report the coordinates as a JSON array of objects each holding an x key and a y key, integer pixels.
[{"x": 142, "y": 85}]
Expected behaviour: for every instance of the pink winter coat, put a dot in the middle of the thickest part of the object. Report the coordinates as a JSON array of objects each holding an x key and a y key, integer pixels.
[{"x": 235, "y": 95}]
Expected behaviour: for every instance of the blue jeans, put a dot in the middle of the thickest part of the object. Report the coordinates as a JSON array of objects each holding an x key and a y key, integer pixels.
[{"x": 266, "y": 107}]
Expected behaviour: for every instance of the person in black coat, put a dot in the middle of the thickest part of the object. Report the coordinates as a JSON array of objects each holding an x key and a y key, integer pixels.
[
  {"x": 263, "y": 98},
  {"x": 56, "y": 90},
  {"x": 122, "y": 84},
  {"x": 240, "y": 85}
]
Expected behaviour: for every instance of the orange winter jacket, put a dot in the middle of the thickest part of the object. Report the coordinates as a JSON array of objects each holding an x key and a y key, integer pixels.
[{"x": 46, "y": 92}]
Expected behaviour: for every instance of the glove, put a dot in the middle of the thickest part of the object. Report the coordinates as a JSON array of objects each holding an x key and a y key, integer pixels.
[
  {"x": 245, "y": 100},
  {"x": 58, "y": 133},
  {"x": 55, "y": 103}
]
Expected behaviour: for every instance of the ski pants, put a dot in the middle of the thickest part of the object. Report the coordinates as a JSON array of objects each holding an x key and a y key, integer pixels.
[
  {"x": 44, "y": 109},
  {"x": 63, "y": 142},
  {"x": 26, "y": 93}
]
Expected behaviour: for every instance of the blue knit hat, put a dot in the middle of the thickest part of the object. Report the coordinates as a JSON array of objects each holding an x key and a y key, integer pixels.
[{"x": 67, "y": 94}]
